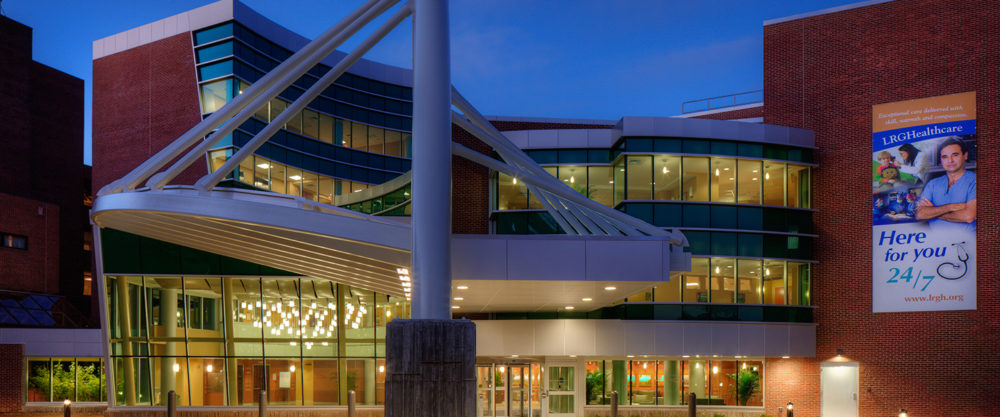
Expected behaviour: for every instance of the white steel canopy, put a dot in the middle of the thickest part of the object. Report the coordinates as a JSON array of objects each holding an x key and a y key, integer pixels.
[{"x": 316, "y": 239}]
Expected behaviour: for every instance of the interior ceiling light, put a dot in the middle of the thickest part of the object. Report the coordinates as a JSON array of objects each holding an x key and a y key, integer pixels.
[
  {"x": 586, "y": 299},
  {"x": 610, "y": 288},
  {"x": 264, "y": 166},
  {"x": 570, "y": 307},
  {"x": 462, "y": 287}
]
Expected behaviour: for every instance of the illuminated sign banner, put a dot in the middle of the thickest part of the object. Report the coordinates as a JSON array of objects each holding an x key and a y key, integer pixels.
[{"x": 924, "y": 204}]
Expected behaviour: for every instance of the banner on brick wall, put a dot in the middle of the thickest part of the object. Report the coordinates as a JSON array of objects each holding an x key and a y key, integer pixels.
[{"x": 924, "y": 204}]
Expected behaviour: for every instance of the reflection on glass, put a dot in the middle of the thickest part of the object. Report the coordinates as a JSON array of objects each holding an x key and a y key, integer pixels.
[
  {"x": 798, "y": 186},
  {"x": 724, "y": 180},
  {"x": 723, "y": 280},
  {"x": 575, "y": 176},
  {"x": 666, "y": 177},
  {"x": 695, "y": 178},
  {"x": 639, "y": 175},
  {"x": 774, "y": 183},
  {"x": 749, "y": 285},
  {"x": 670, "y": 291},
  {"x": 774, "y": 282},
  {"x": 749, "y": 181},
  {"x": 798, "y": 283},
  {"x": 600, "y": 184},
  {"x": 644, "y": 386},
  {"x": 696, "y": 282},
  {"x": 619, "y": 180}
]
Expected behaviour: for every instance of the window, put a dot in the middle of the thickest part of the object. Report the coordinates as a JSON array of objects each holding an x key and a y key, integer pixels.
[
  {"x": 723, "y": 180},
  {"x": 666, "y": 177},
  {"x": 14, "y": 241},
  {"x": 695, "y": 178},
  {"x": 749, "y": 181}
]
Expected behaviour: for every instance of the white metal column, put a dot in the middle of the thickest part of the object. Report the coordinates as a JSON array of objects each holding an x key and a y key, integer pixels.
[{"x": 431, "y": 256}]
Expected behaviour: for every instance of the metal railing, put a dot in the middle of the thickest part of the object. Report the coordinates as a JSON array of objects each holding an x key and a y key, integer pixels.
[{"x": 721, "y": 102}]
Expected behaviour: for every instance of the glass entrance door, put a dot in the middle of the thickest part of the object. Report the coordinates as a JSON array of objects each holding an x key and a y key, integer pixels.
[
  {"x": 560, "y": 383},
  {"x": 520, "y": 391}
]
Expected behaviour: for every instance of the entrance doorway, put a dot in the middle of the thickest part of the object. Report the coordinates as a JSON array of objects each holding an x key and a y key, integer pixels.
[
  {"x": 839, "y": 389},
  {"x": 561, "y": 381},
  {"x": 509, "y": 390}
]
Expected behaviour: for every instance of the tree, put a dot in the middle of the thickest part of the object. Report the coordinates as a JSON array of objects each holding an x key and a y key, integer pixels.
[{"x": 747, "y": 384}]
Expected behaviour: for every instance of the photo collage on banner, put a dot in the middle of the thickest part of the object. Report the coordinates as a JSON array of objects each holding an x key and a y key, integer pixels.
[{"x": 924, "y": 204}]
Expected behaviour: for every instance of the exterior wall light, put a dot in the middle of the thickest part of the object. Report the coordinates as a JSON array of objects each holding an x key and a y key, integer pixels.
[
  {"x": 789, "y": 412},
  {"x": 902, "y": 412}
]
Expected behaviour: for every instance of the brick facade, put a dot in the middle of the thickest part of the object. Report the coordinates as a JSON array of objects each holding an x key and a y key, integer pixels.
[
  {"x": 824, "y": 73},
  {"x": 12, "y": 375},
  {"x": 737, "y": 114},
  {"x": 152, "y": 92},
  {"x": 41, "y": 166}
]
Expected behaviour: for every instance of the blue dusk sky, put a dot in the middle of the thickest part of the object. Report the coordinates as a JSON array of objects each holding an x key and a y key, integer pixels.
[{"x": 591, "y": 59}]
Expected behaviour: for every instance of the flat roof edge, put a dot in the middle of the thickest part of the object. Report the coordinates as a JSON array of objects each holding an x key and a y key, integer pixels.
[{"x": 824, "y": 11}]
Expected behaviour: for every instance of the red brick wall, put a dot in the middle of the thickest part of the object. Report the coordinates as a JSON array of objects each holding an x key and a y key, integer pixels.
[
  {"x": 471, "y": 182},
  {"x": 12, "y": 375},
  {"x": 824, "y": 73},
  {"x": 41, "y": 134},
  {"x": 37, "y": 268},
  {"x": 734, "y": 114},
  {"x": 144, "y": 98}
]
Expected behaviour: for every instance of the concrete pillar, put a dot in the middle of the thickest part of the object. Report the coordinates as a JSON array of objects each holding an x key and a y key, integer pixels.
[
  {"x": 430, "y": 368},
  {"x": 671, "y": 384},
  {"x": 168, "y": 320},
  {"x": 431, "y": 219},
  {"x": 697, "y": 378},
  {"x": 125, "y": 325},
  {"x": 229, "y": 313},
  {"x": 370, "y": 381},
  {"x": 618, "y": 381}
]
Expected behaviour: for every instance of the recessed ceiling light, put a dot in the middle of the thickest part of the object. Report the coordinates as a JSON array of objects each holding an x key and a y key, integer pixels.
[
  {"x": 462, "y": 287},
  {"x": 631, "y": 356},
  {"x": 295, "y": 177},
  {"x": 455, "y": 307},
  {"x": 572, "y": 356},
  {"x": 785, "y": 357},
  {"x": 459, "y": 299},
  {"x": 610, "y": 288},
  {"x": 513, "y": 356},
  {"x": 264, "y": 166},
  {"x": 686, "y": 356},
  {"x": 570, "y": 307},
  {"x": 587, "y": 299}
]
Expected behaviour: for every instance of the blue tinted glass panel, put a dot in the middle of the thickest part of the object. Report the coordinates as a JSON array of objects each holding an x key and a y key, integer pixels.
[
  {"x": 43, "y": 318},
  {"x": 751, "y": 244},
  {"x": 216, "y": 51},
  {"x": 215, "y": 70},
  {"x": 22, "y": 316},
  {"x": 724, "y": 217},
  {"x": 724, "y": 148},
  {"x": 213, "y": 34},
  {"x": 28, "y": 302},
  {"x": 9, "y": 302},
  {"x": 750, "y": 218},
  {"x": 724, "y": 243},
  {"x": 6, "y": 318},
  {"x": 43, "y": 301},
  {"x": 696, "y": 215},
  {"x": 699, "y": 242}
]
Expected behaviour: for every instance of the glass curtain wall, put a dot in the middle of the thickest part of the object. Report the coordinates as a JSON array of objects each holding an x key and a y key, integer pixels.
[
  {"x": 673, "y": 178},
  {"x": 735, "y": 280},
  {"x": 220, "y": 340},
  {"x": 649, "y": 381}
]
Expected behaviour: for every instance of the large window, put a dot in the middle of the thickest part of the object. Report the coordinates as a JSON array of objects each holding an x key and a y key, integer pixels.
[
  {"x": 676, "y": 178},
  {"x": 58, "y": 379},
  {"x": 649, "y": 381},
  {"x": 735, "y": 280},
  {"x": 219, "y": 340}
]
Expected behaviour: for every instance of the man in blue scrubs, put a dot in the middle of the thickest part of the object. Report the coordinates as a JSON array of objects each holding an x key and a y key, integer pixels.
[{"x": 949, "y": 201}]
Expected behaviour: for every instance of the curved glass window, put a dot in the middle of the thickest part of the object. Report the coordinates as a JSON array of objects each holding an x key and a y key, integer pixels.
[
  {"x": 735, "y": 280},
  {"x": 683, "y": 178}
]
